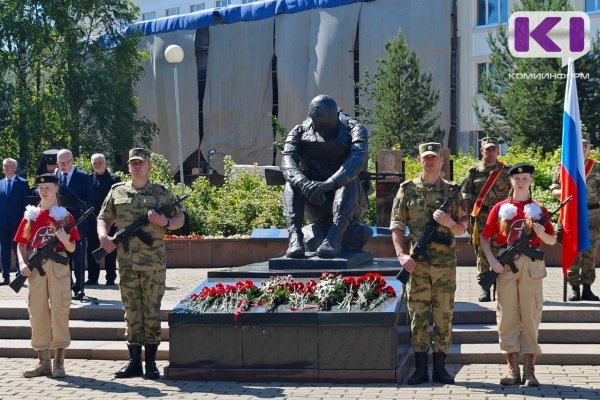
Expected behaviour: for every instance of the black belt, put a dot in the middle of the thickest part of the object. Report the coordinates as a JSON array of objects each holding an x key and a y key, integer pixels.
[{"x": 593, "y": 206}]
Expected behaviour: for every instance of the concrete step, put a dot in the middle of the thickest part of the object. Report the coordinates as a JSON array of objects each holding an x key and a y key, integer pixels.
[
  {"x": 82, "y": 349},
  {"x": 553, "y": 354},
  {"x": 105, "y": 310},
  {"x": 485, "y": 313},
  {"x": 80, "y": 330},
  {"x": 550, "y": 332}
]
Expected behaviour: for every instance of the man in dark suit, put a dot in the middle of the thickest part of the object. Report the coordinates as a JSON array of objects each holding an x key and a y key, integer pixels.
[
  {"x": 76, "y": 188},
  {"x": 13, "y": 199},
  {"x": 102, "y": 180}
]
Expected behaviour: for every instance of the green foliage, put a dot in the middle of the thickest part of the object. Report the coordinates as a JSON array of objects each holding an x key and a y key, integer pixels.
[
  {"x": 61, "y": 86},
  {"x": 82, "y": 162},
  {"x": 243, "y": 203},
  {"x": 279, "y": 132},
  {"x": 528, "y": 112},
  {"x": 403, "y": 101}
]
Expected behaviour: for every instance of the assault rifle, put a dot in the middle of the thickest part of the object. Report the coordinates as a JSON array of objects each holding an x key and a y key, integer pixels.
[
  {"x": 419, "y": 248},
  {"x": 521, "y": 245},
  {"x": 39, "y": 256},
  {"x": 135, "y": 229}
]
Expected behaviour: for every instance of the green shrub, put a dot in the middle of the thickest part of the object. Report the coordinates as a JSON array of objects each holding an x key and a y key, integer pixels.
[{"x": 243, "y": 203}]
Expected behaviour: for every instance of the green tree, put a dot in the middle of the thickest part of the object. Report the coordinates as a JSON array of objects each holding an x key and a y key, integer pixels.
[
  {"x": 403, "y": 101},
  {"x": 66, "y": 77},
  {"x": 528, "y": 112}
]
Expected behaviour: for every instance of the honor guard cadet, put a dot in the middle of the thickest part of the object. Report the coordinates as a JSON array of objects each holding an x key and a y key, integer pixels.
[
  {"x": 583, "y": 271},
  {"x": 487, "y": 184},
  {"x": 49, "y": 298},
  {"x": 520, "y": 299},
  {"x": 142, "y": 269},
  {"x": 432, "y": 281}
]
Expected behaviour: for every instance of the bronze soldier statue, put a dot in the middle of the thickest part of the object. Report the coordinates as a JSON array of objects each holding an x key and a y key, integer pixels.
[{"x": 322, "y": 159}]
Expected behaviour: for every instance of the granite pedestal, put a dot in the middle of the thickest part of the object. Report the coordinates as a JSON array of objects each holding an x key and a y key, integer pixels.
[{"x": 306, "y": 345}]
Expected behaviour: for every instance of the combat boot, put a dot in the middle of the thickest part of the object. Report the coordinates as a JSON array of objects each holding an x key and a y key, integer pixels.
[
  {"x": 332, "y": 245},
  {"x": 587, "y": 294},
  {"x": 58, "y": 366},
  {"x": 150, "y": 358},
  {"x": 439, "y": 374},
  {"x": 296, "y": 244},
  {"x": 513, "y": 375},
  {"x": 529, "y": 378},
  {"x": 134, "y": 365},
  {"x": 484, "y": 297},
  {"x": 43, "y": 366},
  {"x": 421, "y": 374},
  {"x": 575, "y": 294}
]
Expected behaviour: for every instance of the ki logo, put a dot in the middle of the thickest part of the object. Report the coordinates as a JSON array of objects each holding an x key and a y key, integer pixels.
[{"x": 549, "y": 34}]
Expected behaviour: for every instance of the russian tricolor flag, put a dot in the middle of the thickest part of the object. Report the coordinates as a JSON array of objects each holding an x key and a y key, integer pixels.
[{"x": 574, "y": 216}]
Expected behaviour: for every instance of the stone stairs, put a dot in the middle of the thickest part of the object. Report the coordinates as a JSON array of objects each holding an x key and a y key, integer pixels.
[
  {"x": 97, "y": 332},
  {"x": 569, "y": 335}
]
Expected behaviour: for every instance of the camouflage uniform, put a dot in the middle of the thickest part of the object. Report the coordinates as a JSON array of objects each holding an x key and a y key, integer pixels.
[
  {"x": 476, "y": 179},
  {"x": 432, "y": 285},
  {"x": 142, "y": 269},
  {"x": 583, "y": 269}
]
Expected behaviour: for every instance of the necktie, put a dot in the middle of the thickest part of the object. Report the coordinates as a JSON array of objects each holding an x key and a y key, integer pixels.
[
  {"x": 64, "y": 180},
  {"x": 8, "y": 186}
]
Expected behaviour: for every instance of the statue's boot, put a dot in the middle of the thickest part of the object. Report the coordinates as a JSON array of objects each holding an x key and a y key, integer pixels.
[
  {"x": 296, "y": 244},
  {"x": 332, "y": 245}
]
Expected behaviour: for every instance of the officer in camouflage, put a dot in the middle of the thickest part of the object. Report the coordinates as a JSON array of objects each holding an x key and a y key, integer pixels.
[
  {"x": 142, "y": 269},
  {"x": 432, "y": 284},
  {"x": 583, "y": 270},
  {"x": 487, "y": 183}
]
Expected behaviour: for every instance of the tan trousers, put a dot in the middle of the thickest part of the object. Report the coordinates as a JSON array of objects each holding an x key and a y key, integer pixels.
[
  {"x": 50, "y": 320},
  {"x": 519, "y": 310}
]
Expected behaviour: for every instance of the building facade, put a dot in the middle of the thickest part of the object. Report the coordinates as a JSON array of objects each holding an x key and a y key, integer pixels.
[{"x": 296, "y": 56}]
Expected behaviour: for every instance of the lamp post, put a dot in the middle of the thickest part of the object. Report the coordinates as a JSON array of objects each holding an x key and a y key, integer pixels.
[{"x": 174, "y": 55}]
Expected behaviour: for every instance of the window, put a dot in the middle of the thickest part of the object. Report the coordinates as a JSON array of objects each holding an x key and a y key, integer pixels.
[
  {"x": 223, "y": 3},
  {"x": 490, "y": 12},
  {"x": 484, "y": 69},
  {"x": 248, "y": 1},
  {"x": 197, "y": 7},
  {"x": 148, "y": 16},
  {"x": 172, "y": 11},
  {"x": 592, "y": 5}
]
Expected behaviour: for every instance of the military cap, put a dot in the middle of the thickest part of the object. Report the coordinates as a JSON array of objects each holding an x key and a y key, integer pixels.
[
  {"x": 521, "y": 168},
  {"x": 489, "y": 141},
  {"x": 431, "y": 148},
  {"x": 139, "y": 154},
  {"x": 46, "y": 178},
  {"x": 50, "y": 156},
  {"x": 585, "y": 137}
]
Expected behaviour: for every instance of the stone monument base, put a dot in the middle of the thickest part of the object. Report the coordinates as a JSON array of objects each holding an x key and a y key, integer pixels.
[
  {"x": 312, "y": 261},
  {"x": 300, "y": 346}
]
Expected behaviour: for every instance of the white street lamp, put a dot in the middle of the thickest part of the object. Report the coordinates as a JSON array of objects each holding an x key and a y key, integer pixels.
[{"x": 174, "y": 55}]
